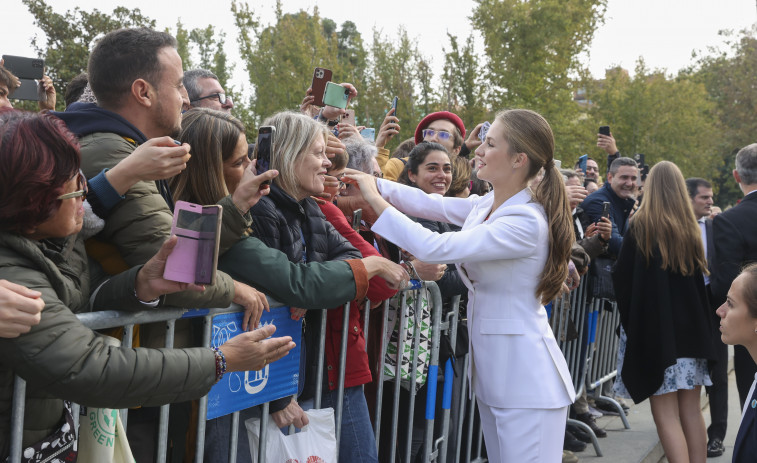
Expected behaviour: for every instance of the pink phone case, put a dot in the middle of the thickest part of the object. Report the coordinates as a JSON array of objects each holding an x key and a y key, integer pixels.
[{"x": 181, "y": 264}]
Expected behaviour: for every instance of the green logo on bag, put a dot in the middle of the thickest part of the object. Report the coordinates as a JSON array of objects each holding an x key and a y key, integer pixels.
[{"x": 103, "y": 423}]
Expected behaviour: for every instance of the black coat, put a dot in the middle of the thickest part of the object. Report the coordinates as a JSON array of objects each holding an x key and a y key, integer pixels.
[
  {"x": 734, "y": 233},
  {"x": 665, "y": 316},
  {"x": 301, "y": 231}
]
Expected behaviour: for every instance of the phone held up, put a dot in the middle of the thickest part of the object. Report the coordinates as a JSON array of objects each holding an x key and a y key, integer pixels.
[
  {"x": 606, "y": 209},
  {"x": 483, "y": 131},
  {"x": 349, "y": 117},
  {"x": 28, "y": 71},
  {"x": 195, "y": 257},
  {"x": 356, "y": 218},
  {"x": 264, "y": 149},
  {"x": 582, "y": 163},
  {"x": 336, "y": 95},
  {"x": 394, "y": 106},
  {"x": 604, "y": 130},
  {"x": 320, "y": 77},
  {"x": 369, "y": 133}
]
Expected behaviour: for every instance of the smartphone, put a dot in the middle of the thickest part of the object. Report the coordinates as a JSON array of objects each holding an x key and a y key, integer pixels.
[
  {"x": 320, "y": 77},
  {"x": 195, "y": 257},
  {"x": 336, "y": 95},
  {"x": 558, "y": 163},
  {"x": 582, "y": 163},
  {"x": 369, "y": 134},
  {"x": 24, "y": 68},
  {"x": 356, "y": 217},
  {"x": 349, "y": 117},
  {"x": 606, "y": 209},
  {"x": 28, "y": 90},
  {"x": 264, "y": 148},
  {"x": 604, "y": 130},
  {"x": 484, "y": 130},
  {"x": 394, "y": 106},
  {"x": 639, "y": 158}
]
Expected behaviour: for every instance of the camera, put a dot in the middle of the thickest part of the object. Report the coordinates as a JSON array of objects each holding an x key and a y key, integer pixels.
[{"x": 319, "y": 73}]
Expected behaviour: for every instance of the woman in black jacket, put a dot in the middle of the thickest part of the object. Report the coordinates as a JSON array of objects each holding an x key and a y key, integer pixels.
[
  {"x": 288, "y": 219},
  {"x": 665, "y": 321}
]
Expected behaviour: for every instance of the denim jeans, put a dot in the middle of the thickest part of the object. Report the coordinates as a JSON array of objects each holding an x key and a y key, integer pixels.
[{"x": 357, "y": 444}]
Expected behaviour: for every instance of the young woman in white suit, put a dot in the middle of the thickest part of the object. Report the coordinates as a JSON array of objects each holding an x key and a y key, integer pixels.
[{"x": 512, "y": 254}]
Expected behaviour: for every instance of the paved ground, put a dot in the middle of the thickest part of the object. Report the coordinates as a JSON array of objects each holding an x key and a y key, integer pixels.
[{"x": 640, "y": 444}]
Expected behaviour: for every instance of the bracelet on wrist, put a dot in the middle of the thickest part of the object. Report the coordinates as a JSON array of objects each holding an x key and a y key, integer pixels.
[
  {"x": 220, "y": 363},
  {"x": 153, "y": 302}
]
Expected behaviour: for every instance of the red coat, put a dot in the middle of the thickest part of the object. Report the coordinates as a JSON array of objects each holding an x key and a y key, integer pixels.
[{"x": 357, "y": 371}]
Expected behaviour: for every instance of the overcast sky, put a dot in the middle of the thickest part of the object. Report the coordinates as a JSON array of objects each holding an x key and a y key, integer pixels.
[{"x": 664, "y": 32}]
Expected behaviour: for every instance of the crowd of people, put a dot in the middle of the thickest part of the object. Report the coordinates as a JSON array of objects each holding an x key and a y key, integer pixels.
[{"x": 87, "y": 198}]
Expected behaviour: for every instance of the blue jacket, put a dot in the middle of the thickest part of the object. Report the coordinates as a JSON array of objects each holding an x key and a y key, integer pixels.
[{"x": 619, "y": 211}]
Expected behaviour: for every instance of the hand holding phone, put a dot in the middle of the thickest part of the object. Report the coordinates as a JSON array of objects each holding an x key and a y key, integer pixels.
[{"x": 336, "y": 95}]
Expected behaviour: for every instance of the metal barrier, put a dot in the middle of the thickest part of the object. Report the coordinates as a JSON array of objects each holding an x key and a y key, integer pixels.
[{"x": 591, "y": 357}]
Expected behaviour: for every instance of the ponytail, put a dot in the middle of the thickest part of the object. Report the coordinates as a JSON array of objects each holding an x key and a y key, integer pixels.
[{"x": 551, "y": 195}]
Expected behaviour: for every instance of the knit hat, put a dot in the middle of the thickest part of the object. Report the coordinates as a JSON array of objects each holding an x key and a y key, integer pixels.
[{"x": 426, "y": 121}]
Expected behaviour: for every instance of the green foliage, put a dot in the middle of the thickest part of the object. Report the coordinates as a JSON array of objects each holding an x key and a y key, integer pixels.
[
  {"x": 70, "y": 36},
  {"x": 463, "y": 90},
  {"x": 664, "y": 118},
  {"x": 533, "y": 50},
  {"x": 728, "y": 76}
]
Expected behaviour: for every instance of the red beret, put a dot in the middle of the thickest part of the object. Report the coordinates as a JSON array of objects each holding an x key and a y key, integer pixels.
[{"x": 426, "y": 121}]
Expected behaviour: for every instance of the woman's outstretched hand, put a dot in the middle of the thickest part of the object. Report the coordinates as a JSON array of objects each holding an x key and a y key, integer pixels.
[{"x": 366, "y": 184}]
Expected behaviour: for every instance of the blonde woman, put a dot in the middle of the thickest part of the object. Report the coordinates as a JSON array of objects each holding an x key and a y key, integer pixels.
[
  {"x": 665, "y": 325},
  {"x": 513, "y": 253}
]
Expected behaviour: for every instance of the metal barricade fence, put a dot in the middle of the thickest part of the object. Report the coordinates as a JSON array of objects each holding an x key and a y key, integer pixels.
[
  {"x": 127, "y": 320},
  {"x": 591, "y": 357}
]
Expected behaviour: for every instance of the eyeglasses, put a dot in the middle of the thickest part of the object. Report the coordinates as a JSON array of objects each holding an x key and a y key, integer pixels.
[
  {"x": 81, "y": 184},
  {"x": 222, "y": 98},
  {"x": 441, "y": 134},
  {"x": 378, "y": 174}
]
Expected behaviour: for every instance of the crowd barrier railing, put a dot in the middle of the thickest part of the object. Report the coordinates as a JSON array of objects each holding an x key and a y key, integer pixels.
[{"x": 590, "y": 353}]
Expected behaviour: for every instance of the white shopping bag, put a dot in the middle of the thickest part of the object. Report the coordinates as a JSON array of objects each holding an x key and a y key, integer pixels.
[{"x": 316, "y": 442}]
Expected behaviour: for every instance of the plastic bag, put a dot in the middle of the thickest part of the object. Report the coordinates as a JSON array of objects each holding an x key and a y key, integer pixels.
[{"x": 316, "y": 442}]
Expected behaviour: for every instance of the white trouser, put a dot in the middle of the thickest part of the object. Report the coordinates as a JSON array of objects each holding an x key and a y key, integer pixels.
[{"x": 520, "y": 435}]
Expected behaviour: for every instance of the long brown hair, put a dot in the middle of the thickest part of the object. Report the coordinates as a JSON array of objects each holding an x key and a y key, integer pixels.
[
  {"x": 213, "y": 135},
  {"x": 666, "y": 221},
  {"x": 528, "y": 132}
]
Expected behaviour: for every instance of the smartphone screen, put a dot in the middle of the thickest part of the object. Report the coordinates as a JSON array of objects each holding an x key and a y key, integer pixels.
[
  {"x": 606, "y": 209},
  {"x": 264, "y": 147},
  {"x": 207, "y": 245}
]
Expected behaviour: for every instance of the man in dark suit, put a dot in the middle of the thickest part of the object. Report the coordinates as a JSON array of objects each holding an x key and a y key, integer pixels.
[
  {"x": 735, "y": 237},
  {"x": 700, "y": 192}
]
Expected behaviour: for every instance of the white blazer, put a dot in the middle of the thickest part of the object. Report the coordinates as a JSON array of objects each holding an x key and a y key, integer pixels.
[{"x": 516, "y": 362}]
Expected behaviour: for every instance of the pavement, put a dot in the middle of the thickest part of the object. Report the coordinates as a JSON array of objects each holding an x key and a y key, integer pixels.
[{"x": 640, "y": 444}]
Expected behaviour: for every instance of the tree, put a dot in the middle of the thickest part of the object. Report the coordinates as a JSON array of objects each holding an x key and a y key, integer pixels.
[
  {"x": 664, "y": 118},
  {"x": 70, "y": 36},
  {"x": 728, "y": 75},
  {"x": 464, "y": 91},
  {"x": 533, "y": 51}
]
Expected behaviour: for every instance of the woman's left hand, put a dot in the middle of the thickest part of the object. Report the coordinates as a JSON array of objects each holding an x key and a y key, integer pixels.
[
  {"x": 251, "y": 188},
  {"x": 150, "y": 283}
]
